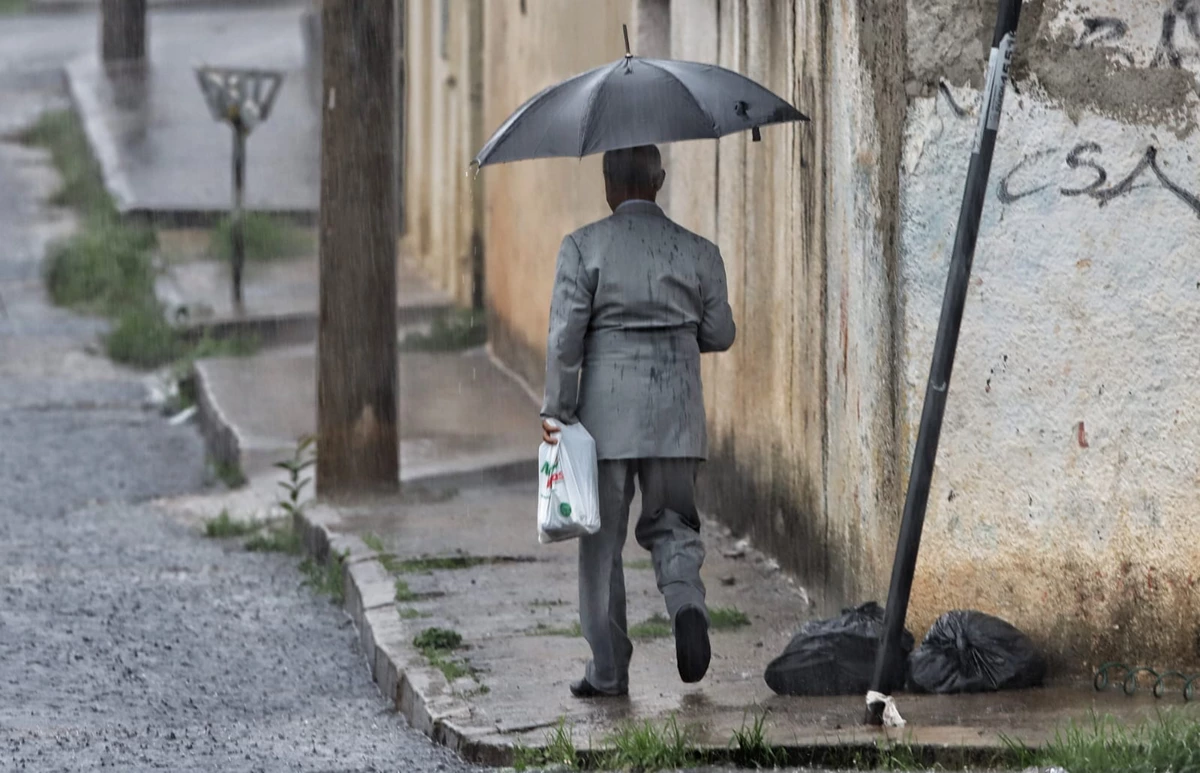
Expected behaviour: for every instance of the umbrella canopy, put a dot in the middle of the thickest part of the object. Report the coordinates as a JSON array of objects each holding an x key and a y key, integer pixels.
[{"x": 631, "y": 102}]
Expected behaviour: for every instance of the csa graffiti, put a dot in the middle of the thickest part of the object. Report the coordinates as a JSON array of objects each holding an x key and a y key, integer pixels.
[{"x": 1087, "y": 158}]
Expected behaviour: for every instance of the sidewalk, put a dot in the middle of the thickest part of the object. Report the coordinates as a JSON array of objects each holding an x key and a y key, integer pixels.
[
  {"x": 514, "y": 604},
  {"x": 162, "y": 155},
  {"x": 513, "y": 601}
]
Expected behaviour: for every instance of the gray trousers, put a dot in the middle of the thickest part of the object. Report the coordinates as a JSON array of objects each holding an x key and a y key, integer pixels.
[{"x": 669, "y": 527}]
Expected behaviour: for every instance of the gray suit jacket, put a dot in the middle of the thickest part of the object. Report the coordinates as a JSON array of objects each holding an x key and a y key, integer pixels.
[{"x": 636, "y": 299}]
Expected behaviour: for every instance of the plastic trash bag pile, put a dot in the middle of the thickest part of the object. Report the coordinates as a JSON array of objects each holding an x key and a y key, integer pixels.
[{"x": 965, "y": 651}]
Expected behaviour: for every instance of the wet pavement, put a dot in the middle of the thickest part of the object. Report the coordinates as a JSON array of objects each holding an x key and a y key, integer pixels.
[
  {"x": 160, "y": 150},
  {"x": 458, "y": 412},
  {"x": 516, "y": 607},
  {"x": 194, "y": 288}
]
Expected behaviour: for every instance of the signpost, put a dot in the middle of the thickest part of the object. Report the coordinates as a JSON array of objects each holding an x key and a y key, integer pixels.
[
  {"x": 888, "y": 663},
  {"x": 241, "y": 98}
]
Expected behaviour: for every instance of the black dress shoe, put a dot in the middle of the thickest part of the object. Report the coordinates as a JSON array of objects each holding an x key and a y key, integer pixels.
[
  {"x": 692, "y": 650},
  {"x": 583, "y": 689}
]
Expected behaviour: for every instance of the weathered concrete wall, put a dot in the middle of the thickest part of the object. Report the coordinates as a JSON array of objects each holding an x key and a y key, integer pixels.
[
  {"x": 804, "y": 436},
  {"x": 1065, "y": 494},
  {"x": 444, "y": 81},
  {"x": 530, "y": 206}
]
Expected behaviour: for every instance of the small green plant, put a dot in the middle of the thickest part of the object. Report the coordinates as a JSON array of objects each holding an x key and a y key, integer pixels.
[
  {"x": 13, "y": 6},
  {"x": 303, "y": 457},
  {"x": 547, "y": 603},
  {"x": 653, "y": 627},
  {"x": 645, "y": 746},
  {"x": 224, "y": 526},
  {"x": 727, "y": 618},
  {"x": 411, "y": 613},
  {"x": 326, "y": 578},
  {"x": 541, "y": 629},
  {"x": 459, "y": 329},
  {"x": 282, "y": 538},
  {"x": 228, "y": 473},
  {"x": 639, "y": 564},
  {"x": 748, "y": 746},
  {"x": 559, "y": 751},
  {"x": 266, "y": 238},
  {"x": 435, "y": 563},
  {"x": 438, "y": 646},
  {"x": 142, "y": 338},
  {"x": 403, "y": 592},
  {"x": 373, "y": 542}
]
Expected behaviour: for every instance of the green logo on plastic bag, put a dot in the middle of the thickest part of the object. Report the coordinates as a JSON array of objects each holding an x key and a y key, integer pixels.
[{"x": 564, "y": 510}]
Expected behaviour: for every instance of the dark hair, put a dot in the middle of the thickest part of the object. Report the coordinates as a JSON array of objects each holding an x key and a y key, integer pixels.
[{"x": 633, "y": 168}]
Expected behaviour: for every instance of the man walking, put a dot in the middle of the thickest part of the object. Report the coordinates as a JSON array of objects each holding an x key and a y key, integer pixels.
[{"x": 637, "y": 299}]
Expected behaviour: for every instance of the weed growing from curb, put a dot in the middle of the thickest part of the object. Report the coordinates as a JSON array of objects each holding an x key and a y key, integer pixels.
[
  {"x": 373, "y": 542},
  {"x": 749, "y": 747},
  {"x": 645, "y": 746},
  {"x": 224, "y": 526},
  {"x": 303, "y": 457},
  {"x": 279, "y": 539},
  {"x": 105, "y": 267},
  {"x": 727, "y": 618},
  {"x": 410, "y": 613},
  {"x": 639, "y": 564},
  {"x": 228, "y": 473},
  {"x": 403, "y": 592},
  {"x": 326, "y": 578},
  {"x": 559, "y": 751},
  {"x": 438, "y": 646}
]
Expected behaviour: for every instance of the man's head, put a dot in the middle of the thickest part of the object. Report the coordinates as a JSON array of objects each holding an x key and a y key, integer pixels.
[{"x": 633, "y": 173}]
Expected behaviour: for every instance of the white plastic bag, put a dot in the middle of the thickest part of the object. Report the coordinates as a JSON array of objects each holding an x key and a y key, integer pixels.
[{"x": 568, "y": 498}]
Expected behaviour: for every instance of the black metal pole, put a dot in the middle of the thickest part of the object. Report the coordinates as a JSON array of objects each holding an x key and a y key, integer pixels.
[
  {"x": 237, "y": 235},
  {"x": 888, "y": 663}
]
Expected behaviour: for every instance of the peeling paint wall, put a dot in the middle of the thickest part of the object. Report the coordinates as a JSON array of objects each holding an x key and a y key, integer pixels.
[{"x": 1068, "y": 473}]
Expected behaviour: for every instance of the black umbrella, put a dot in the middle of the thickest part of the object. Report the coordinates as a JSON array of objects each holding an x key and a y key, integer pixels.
[{"x": 631, "y": 102}]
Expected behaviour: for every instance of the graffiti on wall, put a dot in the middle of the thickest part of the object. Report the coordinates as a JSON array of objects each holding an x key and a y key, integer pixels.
[
  {"x": 1087, "y": 157},
  {"x": 1189, "y": 12}
]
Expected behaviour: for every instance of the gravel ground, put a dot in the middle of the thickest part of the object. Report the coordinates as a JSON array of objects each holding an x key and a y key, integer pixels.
[{"x": 127, "y": 641}]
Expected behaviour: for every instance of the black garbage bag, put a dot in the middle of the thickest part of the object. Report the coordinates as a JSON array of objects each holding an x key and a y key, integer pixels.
[
  {"x": 833, "y": 657},
  {"x": 968, "y": 651}
]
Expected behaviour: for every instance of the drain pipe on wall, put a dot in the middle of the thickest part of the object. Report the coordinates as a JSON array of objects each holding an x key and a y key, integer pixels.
[{"x": 889, "y": 665}]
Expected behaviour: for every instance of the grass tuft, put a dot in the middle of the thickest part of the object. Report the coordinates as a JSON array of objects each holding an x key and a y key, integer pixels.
[
  {"x": 82, "y": 187},
  {"x": 438, "y": 646},
  {"x": 645, "y": 746},
  {"x": 373, "y": 542},
  {"x": 403, "y": 592},
  {"x": 325, "y": 578},
  {"x": 541, "y": 629},
  {"x": 411, "y": 613},
  {"x": 106, "y": 267},
  {"x": 727, "y": 618},
  {"x": 278, "y": 539},
  {"x": 559, "y": 751},
  {"x": 267, "y": 237},
  {"x": 1168, "y": 742},
  {"x": 748, "y": 746},
  {"x": 224, "y": 526}
]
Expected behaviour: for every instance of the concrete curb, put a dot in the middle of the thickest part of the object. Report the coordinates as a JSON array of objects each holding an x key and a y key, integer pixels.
[
  {"x": 418, "y": 691},
  {"x": 99, "y": 138}
]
